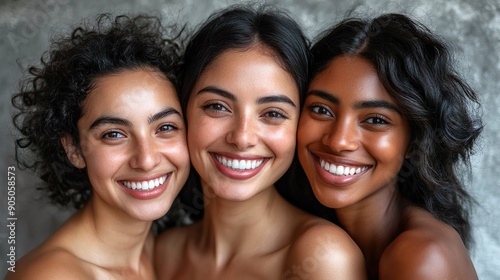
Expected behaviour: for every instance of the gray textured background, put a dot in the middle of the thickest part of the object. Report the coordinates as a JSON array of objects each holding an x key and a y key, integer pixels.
[{"x": 472, "y": 28}]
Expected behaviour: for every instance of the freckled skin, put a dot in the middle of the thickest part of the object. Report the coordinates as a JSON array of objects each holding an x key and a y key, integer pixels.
[{"x": 350, "y": 120}]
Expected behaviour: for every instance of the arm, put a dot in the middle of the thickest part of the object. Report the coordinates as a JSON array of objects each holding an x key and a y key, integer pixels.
[{"x": 324, "y": 252}]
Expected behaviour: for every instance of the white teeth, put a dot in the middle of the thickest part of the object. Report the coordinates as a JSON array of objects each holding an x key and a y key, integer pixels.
[
  {"x": 340, "y": 170},
  {"x": 145, "y": 185},
  {"x": 332, "y": 168},
  {"x": 239, "y": 164}
]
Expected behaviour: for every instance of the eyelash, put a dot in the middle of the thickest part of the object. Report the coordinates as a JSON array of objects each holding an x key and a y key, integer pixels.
[
  {"x": 114, "y": 135},
  {"x": 217, "y": 107},
  {"x": 381, "y": 120},
  {"x": 107, "y": 135},
  {"x": 276, "y": 114},
  {"x": 214, "y": 107},
  {"x": 169, "y": 125},
  {"x": 323, "y": 110},
  {"x": 320, "y": 109}
]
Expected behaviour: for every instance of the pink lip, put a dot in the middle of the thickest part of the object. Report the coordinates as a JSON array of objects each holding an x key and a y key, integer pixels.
[
  {"x": 151, "y": 194},
  {"x": 337, "y": 180},
  {"x": 237, "y": 174}
]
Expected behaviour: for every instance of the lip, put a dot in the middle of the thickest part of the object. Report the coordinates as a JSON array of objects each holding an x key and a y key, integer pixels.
[
  {"x": 147, "y": 194},
  {"x": 240, "y": 174},
  {"x": 339, "y": 180}
]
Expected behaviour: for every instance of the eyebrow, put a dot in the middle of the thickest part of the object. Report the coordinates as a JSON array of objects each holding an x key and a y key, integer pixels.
[
  {"x": 375, "y": 104},
  {"x": 218, "y": 91},
  {"x": 232, "y": 97},
  {"x": 119, "y": 121},
  {"x": 358, "y": 105},
  {"x": 276, "y": 98},
  {"x": 324, "y": 95}
]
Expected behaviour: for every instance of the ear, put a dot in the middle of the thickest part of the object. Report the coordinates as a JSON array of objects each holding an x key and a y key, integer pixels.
[
  {"x": 409, "y": 150},
  {"x": 73, "y": 152}
]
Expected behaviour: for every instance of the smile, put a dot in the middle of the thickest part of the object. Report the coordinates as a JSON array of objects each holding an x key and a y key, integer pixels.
[
  {"x": 341, "y": 170},
  {"x": 145, "y": 185},
  {"x": 238, "y": 164}
]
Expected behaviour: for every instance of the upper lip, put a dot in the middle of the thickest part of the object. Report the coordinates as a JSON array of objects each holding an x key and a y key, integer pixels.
[
  {"x": 339, "y": 160},
  {"x": 237, "y": 156},
  {"x": 148, "y": 178}
]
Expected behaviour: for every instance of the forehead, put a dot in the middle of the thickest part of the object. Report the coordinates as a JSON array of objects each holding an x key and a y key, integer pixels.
[
  {"x": 138, "y": 88},
  {"x": 256, "y": 69},
  {"x": 350, "y": 77}
]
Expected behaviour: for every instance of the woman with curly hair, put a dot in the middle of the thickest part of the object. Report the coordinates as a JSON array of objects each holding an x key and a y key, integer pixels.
[
  {"x": 386, "y": 124},
  {"x": 243, "y": 78},
  {"x": 102, "y": 124}
]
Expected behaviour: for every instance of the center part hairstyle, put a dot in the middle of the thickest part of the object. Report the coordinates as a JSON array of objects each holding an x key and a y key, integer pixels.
[
  {"x": 416, "y": 69},
  {"x": 241, "y": 27},
  {"x": 51, "y": 98}
]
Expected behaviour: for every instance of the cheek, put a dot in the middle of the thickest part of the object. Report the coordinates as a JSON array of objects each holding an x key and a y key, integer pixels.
[
  {"x": 282, "y": 141},
  {"x": 389, "y": 150},
  {"x": 177, "y": 153},
  {"x": 102, "y": 165},
  {"x": 308, "y": 131}
]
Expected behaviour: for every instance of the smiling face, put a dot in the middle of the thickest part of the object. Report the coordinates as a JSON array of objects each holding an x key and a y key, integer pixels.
[
  {"x": 133, "y": 144},
  {"x": 242, "y": 120},
  {"x": 352, "y": 139}
]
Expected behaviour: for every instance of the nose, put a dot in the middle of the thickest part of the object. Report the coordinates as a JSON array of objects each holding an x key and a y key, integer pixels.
[
  {"x": 243, "y": 133},
  {"x": 145, "y": 155},
  {"x": 342, "y": 136}
]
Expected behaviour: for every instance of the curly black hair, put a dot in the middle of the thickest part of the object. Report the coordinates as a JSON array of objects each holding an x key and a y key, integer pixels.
[
  {"x": 51, "y": 96},
  {"x": 416, "y": 68}
]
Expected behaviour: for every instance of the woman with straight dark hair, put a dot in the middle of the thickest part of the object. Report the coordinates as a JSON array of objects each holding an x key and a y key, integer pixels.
[
  {"x": 121, "y": 165},
  {"x": 386, "y": 125},
  {"x": 244, "y": 74}
]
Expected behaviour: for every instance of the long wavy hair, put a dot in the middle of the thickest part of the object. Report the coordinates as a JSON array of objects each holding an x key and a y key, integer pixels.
[{"x": 416, "y": 68}]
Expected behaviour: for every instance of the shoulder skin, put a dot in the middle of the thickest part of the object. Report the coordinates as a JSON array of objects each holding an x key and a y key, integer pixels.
[
  {"x": 53, "y": 264},
  {"x": 324, "y": 251},
  {"x": 428, "y": 249}
]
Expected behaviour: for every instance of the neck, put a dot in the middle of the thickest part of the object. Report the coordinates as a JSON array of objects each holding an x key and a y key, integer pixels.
[
  {"x": 229, "y": 227},
  {"x": 374, "y": 222},
  {"x": 112, "y": 232}
]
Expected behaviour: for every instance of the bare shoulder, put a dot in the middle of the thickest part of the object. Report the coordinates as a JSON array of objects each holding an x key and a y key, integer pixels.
[
  {"x": 426, "y": 249},
  {"x": 322, "y": 250},
  {"x": 53, "y": 263}
]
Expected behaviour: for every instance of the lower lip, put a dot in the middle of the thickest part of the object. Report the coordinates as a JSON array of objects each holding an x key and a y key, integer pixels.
[
  {"x": 237, "y": 174},
  {"x": 337, "y": 180},
  {"x": 150, "y": 194}
]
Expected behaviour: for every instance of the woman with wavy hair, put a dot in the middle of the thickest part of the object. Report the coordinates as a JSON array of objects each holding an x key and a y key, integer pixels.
[
  {"x": 102, "y": 125},
  {"x": 386, "y": 124}
]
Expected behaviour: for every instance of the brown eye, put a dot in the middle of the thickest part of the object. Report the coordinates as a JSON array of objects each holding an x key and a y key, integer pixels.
[
  {"x": 275, "y": 115},
  {"x": 320, "y": 110},
  {"x": 167, "y": 127},
  {"x": 112, "y": 135},
  {"x": 216, "y": 107},
  {"x": 378, "y": 120}
]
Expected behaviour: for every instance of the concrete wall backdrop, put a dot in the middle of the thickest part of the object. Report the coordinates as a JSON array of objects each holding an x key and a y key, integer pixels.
[{"x": 472, "y": 27}]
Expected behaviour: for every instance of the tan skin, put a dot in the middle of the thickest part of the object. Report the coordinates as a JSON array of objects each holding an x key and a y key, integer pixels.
[
  {"x": 350, "y": 121},
  {"x": 121, "y": 144},
  {"x": 248, "y": 230}
]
